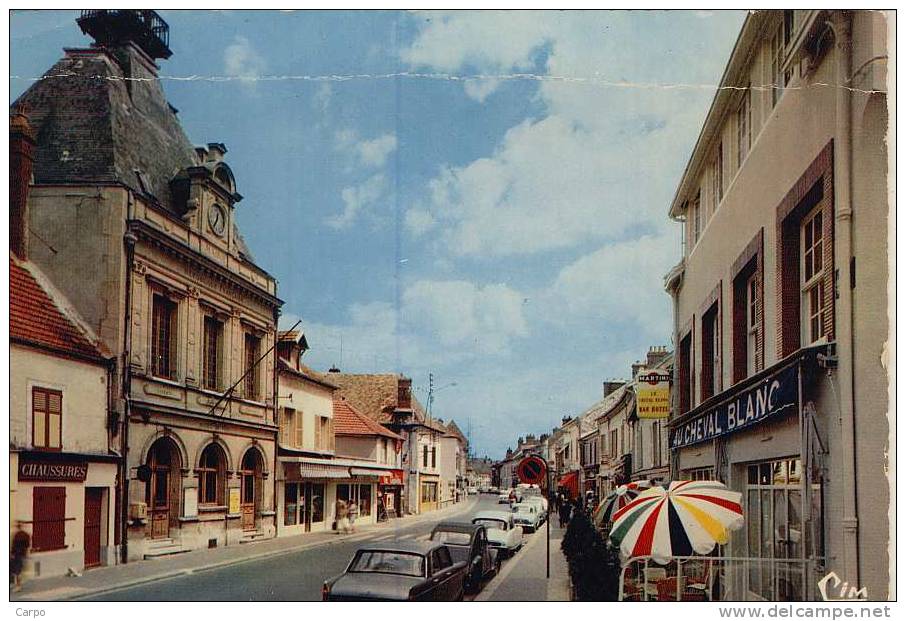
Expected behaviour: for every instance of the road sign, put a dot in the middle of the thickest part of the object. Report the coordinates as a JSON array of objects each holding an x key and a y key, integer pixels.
[{"x": 531, "y": 470}]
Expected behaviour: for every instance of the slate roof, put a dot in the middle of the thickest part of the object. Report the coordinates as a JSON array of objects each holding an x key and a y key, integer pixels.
[
  {"x": 35, "y": 318},
  {"x": 100, "y": 116},
  {"x": 374, "y": 395},
  {"x": 349, "y": 422}
]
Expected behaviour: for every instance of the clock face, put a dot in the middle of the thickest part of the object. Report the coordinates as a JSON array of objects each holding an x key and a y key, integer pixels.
[{"x": 217, "y": 219}]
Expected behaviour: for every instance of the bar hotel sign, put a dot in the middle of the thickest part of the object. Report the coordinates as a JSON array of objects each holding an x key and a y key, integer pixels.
[
  {"x": 652, "y": 394},
  {"x": 775, "y": 394}
]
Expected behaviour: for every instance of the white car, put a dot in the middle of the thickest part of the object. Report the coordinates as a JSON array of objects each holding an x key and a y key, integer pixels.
[
  {"x": 503, "y": 498},
  {"x": 527, "y": 516},
  {"x": 503, "y": 532},
  {"x": 540, "y": 505}
]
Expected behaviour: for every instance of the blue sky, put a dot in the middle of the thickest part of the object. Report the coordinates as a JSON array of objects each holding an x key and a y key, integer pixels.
[{"x": 496, "y": 217}]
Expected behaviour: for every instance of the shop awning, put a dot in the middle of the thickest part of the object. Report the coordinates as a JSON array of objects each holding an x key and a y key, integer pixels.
[
  {"x": 570, "y": 481},
  {"x": 323, "y": 471},
  {"x": 365, "y": 472}
]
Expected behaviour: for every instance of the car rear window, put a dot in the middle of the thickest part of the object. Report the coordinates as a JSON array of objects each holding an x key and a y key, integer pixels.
[
  {"x": 387, "y": 562},
  {"x": 499, "y": 524},
  {"x": 451, "y": 537}
]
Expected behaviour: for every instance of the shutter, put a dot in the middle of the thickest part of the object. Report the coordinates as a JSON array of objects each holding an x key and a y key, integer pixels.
[
  {"x": 298, "y": 422},
  {"x": 48, "y": 518},
  {"x": 318, "y": 424}
]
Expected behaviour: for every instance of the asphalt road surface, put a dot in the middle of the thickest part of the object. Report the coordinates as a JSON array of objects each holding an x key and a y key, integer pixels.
[{"x": 296, "y": 576}]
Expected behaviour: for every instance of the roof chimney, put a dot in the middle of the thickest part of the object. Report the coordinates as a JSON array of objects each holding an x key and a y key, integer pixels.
[
  {"x": 611, "y": 385},
  {"x": 636, "y": 367},
  {"x": 333, "y": 370},
  {"x": 21, "y": 161},
  {"x": 404, "y": 393},
  {"x": 656, "y": 355}
]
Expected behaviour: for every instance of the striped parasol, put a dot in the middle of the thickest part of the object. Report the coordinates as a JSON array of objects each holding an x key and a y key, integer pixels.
[
  {"x": 687, "y": 518},
  {"x": 616, "y": 500}
]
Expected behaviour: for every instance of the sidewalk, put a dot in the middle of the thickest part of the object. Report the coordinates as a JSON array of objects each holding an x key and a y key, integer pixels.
[
  {"x": 524, "y": 577},
  {"x": 100, "y": 580}
]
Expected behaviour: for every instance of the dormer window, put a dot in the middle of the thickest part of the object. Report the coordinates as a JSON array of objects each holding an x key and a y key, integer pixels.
[{"x": 223, "y": 176}]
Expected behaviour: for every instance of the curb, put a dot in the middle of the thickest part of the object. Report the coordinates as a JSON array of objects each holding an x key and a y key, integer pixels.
[{"x": 228, "y": 562}]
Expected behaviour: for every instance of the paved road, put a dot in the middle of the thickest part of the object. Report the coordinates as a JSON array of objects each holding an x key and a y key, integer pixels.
[{"x": 296, "y": 576}]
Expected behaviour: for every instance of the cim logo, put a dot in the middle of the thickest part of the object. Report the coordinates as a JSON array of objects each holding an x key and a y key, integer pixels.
[{"x": 833, "y": 589}]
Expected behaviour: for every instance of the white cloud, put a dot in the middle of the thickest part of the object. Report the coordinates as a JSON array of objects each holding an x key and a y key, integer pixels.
[
  {"x": 419, "y": 221},
  {"x": 241, "y": 60},
  {"x": 460, "y": 313},
  {"x": 619, "y": 283},
  {"x": 489, "y": 41},
  {"x": 322, "y": 97},
  {"x": 480, "y": 89},
  {"x": 356, "y": 199},
  {"x": 374, "y": 153},
  {"x": 599, "y": 163}
]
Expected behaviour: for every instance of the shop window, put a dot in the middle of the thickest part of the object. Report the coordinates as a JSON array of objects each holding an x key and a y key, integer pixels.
[
  {"x": 776, "y": 530},
  {"x": 251, "y": 385},
  {"x": 365, "y": 500},
  {"x": 48, "y": 518},
  {"x": 47, "y": 419},
  {"x": 211, "y": 476},
  {"x": 291, "y": 504},
  {"x": 163, "y": 337},
  {"x": 317, "y": 502},
  {"x": 212, "y": 355},
  {"x": 710, "y": 383}
]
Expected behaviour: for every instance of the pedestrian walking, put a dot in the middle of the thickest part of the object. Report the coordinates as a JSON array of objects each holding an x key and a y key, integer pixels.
[
  {"x": 17, "y": 555},
  {"x": 565, "y": 511},
  {"x": 353, "y": 514},
  {"x": 342, "y": 519}
]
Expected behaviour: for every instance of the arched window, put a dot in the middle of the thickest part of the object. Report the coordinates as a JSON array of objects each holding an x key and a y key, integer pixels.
[{"x": 211, "y": 476}]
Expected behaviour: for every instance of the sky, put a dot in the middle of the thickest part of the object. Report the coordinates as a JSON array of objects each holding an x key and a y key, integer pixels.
[{"x": 481, "y": 196}]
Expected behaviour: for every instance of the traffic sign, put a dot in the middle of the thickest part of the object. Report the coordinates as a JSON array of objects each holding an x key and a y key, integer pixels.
[{"x": 531, "y": 470}]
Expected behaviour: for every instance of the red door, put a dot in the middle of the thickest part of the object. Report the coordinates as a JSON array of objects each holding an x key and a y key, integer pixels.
[{"x": 94, "y": 497}]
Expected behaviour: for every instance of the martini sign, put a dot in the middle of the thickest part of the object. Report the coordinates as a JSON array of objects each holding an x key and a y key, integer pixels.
[{"x": 653, "y": 394}]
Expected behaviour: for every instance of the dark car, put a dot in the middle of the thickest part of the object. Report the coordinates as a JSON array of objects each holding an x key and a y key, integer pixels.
[
  {"x": 399, "y": 571},
  {"x": 469, "y": 543}
]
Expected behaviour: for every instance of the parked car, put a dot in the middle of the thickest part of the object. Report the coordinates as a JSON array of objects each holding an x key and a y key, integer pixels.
[
  {"x": 399, "y": 571},
  {"x": 503, "y": 498},
  {"x": 469, "y": 543},
  {"x": 540, "y": 504},
  {"x": 503, "y": 533},
  {"x": 526, "y": 515},
  {"x": 493, "y": 490},
  {"x": 471, "y": 491}
]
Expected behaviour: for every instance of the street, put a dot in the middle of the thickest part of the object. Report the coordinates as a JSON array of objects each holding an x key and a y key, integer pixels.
[{"x": 298, "y": 576}]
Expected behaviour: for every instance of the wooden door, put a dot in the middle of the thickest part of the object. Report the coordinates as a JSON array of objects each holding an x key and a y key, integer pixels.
[
  {"x": 247, "y": 500},
  {"x": 94, "y": 497},
  {"x": 163, "y": 492},
  {"x": 160, "y": 502}
]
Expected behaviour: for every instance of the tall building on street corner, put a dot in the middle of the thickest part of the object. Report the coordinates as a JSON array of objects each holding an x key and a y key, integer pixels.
[
  {"x": 780, "y": 303},
  {"x": 64, "y": 450},
  {"x": 139, "y": 233}
]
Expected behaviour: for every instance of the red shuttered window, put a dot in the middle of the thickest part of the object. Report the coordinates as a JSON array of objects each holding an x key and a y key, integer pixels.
[
  {"x": 47, "y": 419},
  {"x": 48, "y": 518}
]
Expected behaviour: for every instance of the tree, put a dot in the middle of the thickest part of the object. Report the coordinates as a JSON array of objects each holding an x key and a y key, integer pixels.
[{"x": 594, "y": 565}]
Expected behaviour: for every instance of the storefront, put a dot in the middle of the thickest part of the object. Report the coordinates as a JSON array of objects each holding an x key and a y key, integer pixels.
[
  {"x": 306, "y": 495},
  {"x": 390, "y": 494},
  {"x": 66, "y": 502},
  {"x": 362, "y": 494},
  {"x": 428, "y": 492},
  {"x": 764, "y": 439}
]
